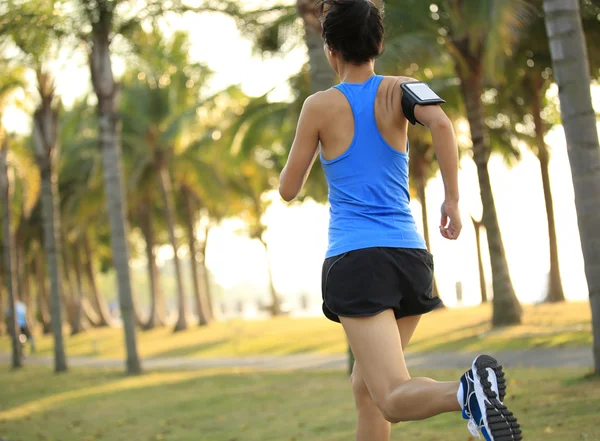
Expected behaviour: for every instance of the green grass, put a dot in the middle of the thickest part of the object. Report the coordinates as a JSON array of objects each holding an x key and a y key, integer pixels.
[
  {"x": 464, "y": 329},
  {"x": 210, "y": 405}
]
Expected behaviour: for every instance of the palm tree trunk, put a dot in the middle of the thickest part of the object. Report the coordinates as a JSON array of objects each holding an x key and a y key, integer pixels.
[
  {"x": 572, "y": 74},
  {"x": 555, "y": 290},
  {"x": 43, "y": 302},
  {"x": 87, "y": 315},
  {"x": 45, "y": 138},
  {"x": 80, "y": 314},
  {"x": 421, "y": 194},
  {"x": 17, "y": 262},
  {"x": 52, "y": 248},
  {"x": 28, "y": 297},
  {"x": 482, "y": 286},
  {"x": 69, "y": 290},
  {"x": 506, "y": 306},
  {"x": 2, "y": 295},
  {"x": 155, "y": 317},
  {"x": 98, "y": 301},
  {"x": 166, "y": 188},
  {"x": 106, "y": 91},
  {"x": 202, "y": 308},
  {"x": 205, "y": 276},
  {"x": 22, "y": 274},
  {"x": 275, "y": 306},
  {"x": 322, "y": 76},
  {"x": 8, "y": 259}
]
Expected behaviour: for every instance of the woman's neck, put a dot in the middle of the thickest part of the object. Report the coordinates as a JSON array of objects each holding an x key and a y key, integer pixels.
[{"x": 352, "y": 73}]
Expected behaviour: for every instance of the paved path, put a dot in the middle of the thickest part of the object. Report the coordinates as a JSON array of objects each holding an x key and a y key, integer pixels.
[{"x": 555, "y": 357}]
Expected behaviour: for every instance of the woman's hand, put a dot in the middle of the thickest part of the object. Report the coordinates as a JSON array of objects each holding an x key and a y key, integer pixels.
[{"x": 451, "y": 225}]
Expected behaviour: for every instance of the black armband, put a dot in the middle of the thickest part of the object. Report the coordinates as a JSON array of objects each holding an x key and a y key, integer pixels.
[{"x": 414, "y": 93}]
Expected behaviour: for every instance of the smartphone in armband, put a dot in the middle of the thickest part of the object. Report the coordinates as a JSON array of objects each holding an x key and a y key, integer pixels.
[{"x": 420, "y": 93}]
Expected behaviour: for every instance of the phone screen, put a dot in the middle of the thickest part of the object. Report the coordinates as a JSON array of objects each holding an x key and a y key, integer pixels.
[{"x": 423, "y": 92}]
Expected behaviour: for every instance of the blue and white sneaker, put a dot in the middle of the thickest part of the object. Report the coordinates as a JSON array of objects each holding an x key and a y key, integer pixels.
[{"x": 484, "y": 389}]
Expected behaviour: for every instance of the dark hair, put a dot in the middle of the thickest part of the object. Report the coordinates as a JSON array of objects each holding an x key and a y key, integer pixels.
[{"x": 353, "y": 28}]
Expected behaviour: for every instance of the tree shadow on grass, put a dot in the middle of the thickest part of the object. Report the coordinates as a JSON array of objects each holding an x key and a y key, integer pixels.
[
  {"x": 33, "y": 383},
  {"x": 219, "y": 406},
  {"x": 185, "y": 351},
  {"x": 253, "y": 406},
  {"x": 445, "y": 340}
]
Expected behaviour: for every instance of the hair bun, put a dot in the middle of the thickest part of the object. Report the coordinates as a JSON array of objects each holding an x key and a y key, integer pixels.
[{"x": 353, "y": 28}]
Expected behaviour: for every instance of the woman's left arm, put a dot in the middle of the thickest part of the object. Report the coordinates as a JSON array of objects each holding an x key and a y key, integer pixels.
[{"x": 304, "y": 151}]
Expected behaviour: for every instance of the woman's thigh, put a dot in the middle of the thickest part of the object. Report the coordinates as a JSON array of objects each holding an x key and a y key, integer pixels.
[{"x": 377, "y": 346}]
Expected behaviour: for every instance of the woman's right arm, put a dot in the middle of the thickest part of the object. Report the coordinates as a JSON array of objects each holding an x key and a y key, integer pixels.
[{"x": 444, "y": 143}]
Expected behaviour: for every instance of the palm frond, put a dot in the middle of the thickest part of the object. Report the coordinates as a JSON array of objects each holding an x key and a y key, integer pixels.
[{"x": 508, "y": 21}]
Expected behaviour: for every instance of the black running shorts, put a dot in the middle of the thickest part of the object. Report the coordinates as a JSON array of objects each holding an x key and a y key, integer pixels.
[{"x": 368, "y": 281}]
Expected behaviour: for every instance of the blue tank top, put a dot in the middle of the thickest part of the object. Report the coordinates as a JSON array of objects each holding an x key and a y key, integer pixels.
[{"x": 368, "y": 184}]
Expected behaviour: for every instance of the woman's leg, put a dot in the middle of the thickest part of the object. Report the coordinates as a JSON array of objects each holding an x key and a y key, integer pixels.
[
  {"x": 377, "y": 346},
  {"x": 371, "y": 425}
]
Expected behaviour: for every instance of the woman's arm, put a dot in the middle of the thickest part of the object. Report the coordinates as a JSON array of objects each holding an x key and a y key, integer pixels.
[
  {"x": 444, "y": 143},
  {"x": 304, "y": 151}
]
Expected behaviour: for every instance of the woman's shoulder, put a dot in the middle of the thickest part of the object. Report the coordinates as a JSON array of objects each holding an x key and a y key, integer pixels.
[
  {"x": 323, "y": 100},
  {"x": 397, "y": 80}
]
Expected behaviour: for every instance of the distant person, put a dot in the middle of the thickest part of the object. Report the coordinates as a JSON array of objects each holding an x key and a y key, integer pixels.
[
  {"x": 22, "y": 322},
  {"x": 378, "y": 275},
  {"x": 113, "y": 308}
]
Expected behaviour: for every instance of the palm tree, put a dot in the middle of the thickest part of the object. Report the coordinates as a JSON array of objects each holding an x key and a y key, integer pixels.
[
  {"x": 482, "y": 285},
  {"x": 322, "y": 76},
  {"x": 43, "y": 300},
  {"x": 21, "y": 185},
  {"x": 528, "y": 77},
  {"x": 10, "y": 80},
  {"x": 252, "y": 184},
  {"x": 156, "y": 316},
  {"x": 537, "y": 89},
  {"x": 169, "y": 207},
  {"x": 200, "y": 280},
  {"x": 101, "y": 15},
  {"x": 160, "y": 93},
  {"x": 105, "y": 21},
  {"x": 201, "y": 181},
  {"x": 8, "y": 259},
  {"x": 572, "y": 74},
  {"x": 80, "y": 181},
  {"x": 46, "y": 149},
  {"x": 473, "y": 34},
  {"x": 163, "y": 138},
  {"x": 257, "y": 138},
  {"x": 191, "y": 201}
]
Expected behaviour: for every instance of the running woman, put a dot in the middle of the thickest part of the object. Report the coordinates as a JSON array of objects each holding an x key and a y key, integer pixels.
[{"x": 378, "y": 274}]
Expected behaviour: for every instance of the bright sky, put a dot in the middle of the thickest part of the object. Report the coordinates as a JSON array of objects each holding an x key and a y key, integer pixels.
[{"x": 298, "y": 234}]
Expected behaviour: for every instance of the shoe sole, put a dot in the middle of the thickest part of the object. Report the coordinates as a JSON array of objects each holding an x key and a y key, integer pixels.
[
  {"x": 484, "y": 362},
  {"x": 501, "y": 423}
]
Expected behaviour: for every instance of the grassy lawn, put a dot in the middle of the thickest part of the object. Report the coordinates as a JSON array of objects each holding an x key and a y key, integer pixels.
[
  {"x": 90, "y": 405},
  {"x": 452, "y": 329}
]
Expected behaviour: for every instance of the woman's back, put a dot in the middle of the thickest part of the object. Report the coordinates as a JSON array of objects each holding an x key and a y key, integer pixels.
[
  {"x": 366, "y": 164},
  {"x": 337, "y": 130}
]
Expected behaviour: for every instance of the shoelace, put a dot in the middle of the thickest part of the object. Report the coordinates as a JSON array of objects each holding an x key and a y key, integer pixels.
[
  {"x": 472, "y": 424},
  {"x": 473, "y": 428}
]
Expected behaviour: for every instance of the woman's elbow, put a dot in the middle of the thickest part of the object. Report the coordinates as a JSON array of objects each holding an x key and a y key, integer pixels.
[
  {"x": 442, "y": 124},
  {"x": 285, "y": 190},
  {"x": 286, "y": 193}
]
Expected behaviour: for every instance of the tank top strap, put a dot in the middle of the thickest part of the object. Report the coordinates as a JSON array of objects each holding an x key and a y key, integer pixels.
[{"x": 362, "y": 98}]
